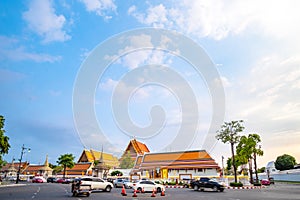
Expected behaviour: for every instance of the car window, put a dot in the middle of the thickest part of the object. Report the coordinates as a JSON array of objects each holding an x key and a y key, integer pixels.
[
  {"x": 86, "y": 179},
  {"x": 150, "y": 183},
  {"x": 143, "y": 182}
]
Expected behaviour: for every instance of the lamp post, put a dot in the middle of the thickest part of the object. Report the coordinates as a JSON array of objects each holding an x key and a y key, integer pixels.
[
  {"x": 223, "y": 167},
  {"x": 22, "y": 153}
]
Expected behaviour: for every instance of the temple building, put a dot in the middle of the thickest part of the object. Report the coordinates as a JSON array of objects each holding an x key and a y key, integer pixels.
[
  {"x": 90, "y": 156},
  {"x": 135, "y": 149},
  {"x": 176, "y": 165},
  {"x": 38, "y": 170},
  {"x": 79, "y": 169}
]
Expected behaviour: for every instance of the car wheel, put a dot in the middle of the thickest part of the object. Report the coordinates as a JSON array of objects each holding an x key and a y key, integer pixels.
[
  {"x": 139, "y": 189},
  {"x": 215, "y": 189},
  {"x": 221, "y": 190},
  {"x": 158, "y": 190},
  {"x": 107, "y": 189},
  {"x": 196, "y": 188}
]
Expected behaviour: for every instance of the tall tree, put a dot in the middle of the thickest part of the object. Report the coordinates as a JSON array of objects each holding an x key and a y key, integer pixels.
[
  {"x": 4, "y": 141},
  {"x": 229, "y": 133},
  {"x": 127, "y": 162},
  {"x": 66, "y": 160},
  {"x": 247, "y": 149},
  {"x": 285, "y": 162},
  {"x": 255, "y": 140}
]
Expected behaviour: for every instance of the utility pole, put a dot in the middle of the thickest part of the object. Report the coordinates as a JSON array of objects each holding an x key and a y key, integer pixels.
[{"x": 19, "y": 170}]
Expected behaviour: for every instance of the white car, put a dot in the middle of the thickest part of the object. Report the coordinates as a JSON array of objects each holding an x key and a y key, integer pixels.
[
  {"x": 96, "y": 183},
  {"x": 148, "y": 186}
]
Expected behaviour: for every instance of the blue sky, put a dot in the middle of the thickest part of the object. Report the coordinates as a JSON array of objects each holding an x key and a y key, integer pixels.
[{"x": 45, "y": 45}]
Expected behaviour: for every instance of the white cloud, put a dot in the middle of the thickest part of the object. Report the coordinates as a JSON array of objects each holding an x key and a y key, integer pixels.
[
  {"x": 217, "y": 19},
  {"x": 11, "y": 50},
  {"x": 100, "y": 7},
  {"x": 43, "y": 20}
]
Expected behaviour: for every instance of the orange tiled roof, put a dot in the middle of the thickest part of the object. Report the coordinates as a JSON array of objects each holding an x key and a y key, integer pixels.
[
  {"x": 92, "y": 155},
  {"x": 79, "y": 169},
  {"x": 175, "y": 160},
  {"x": 139, "y": 147},
  {"x": 16, "y": 165}
]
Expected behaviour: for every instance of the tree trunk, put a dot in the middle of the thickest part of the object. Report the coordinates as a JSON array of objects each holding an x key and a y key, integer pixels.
[
  {"x": 250, "y": 171},
  {"x": 233, "y": 162},
  {"x": 64, "y": 174},
  {"x": 255, "y": 167}
]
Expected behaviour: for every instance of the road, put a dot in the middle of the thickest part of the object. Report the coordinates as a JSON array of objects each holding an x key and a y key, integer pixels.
[{"x": 47, "y": 191}]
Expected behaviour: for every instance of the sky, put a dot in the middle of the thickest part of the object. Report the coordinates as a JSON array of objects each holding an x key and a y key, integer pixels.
[{"x": 87, "y": 74}]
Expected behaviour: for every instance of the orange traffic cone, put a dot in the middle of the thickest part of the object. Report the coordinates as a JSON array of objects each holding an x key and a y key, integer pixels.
[
  {"x": 162, "y": 192},
  {"x": 153, "y": 193},
  {"x": 143, "y": 190},
  {"x": 123, "y": 193},
  {"x": 134, "y": 194}
]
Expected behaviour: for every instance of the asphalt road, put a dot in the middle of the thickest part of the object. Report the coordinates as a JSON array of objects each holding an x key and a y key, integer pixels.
[{"x": 47, "y": 191}]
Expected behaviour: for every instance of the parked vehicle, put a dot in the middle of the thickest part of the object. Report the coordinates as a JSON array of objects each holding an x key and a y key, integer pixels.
[
  {"x": 129, "y": 184},
  {"x": 207, "y": 183},
  {"x": 80, "y": 189},
  {"x": 265, "y": 182},
  {"x": 119, "y": 182},
  {"x": 51, "y": 180},
  {"x": 271, "y": 179},
  {"x": 95, "y": 183},
  {"x": 39, "y": 179},
  {"x": 148, "y": 186}
]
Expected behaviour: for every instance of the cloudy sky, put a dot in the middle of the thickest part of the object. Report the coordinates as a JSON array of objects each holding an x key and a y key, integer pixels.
[{"x": 148, "y": 90}]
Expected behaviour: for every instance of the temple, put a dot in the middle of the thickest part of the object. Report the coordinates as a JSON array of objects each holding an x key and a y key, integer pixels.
[
  {"x": 90, "y": 156},
  {"x": 135, "y": 148},
  {"x": 180, "y": 164}
]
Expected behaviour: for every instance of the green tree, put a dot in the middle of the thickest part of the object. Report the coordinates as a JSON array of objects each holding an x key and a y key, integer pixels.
[
  {"x": 261, "y": 170},
  {"x": 229, "y": 133},
  {"x": 247, "y": 150},
  {"x": 4, "y": 141},
  {"x": 285, "y": 162},
  {"x": 116, "y": 173},
  {"x": 255, "y": 140},
  {"x": 228, "y": 165},
  {"x": 127, "y": 162},
  {"x": 66, "y": 160}
]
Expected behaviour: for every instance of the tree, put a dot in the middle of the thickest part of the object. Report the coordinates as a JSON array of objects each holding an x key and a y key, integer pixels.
[
  {"x": 66, "y": 160},
  {"x": 4, "y": 144},
  {"x": 116, "y": 173},
  {"x": 228, "y": 165},
  {"x": 127, "y": 162},
  {"x": 255, "y": 140},
  {"x": 247, "y": 150},
  {"x": 261, "y": 170},
  {"x": 285, "y": 162},
  {"x": 229, "y": 134}
]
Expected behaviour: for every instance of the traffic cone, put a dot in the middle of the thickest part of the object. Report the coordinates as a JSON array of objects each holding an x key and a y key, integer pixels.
[
  {"x": 143, "y": 191},
  {"x": 134, "y": 194},
  {"x": 162, "y": 192},
  {"x": 153, "y": 193},
  {"x": 123, "y": 193}
]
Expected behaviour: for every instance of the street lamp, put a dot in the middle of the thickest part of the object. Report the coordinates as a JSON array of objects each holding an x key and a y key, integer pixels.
[{"x": 22, "y": 153}]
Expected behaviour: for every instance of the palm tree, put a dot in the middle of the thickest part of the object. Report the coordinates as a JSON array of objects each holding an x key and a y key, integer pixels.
[
  {"x": 229, "y": 134},
  {"x": 247, "y": 150},
  {"x": 66, "y": 160},
  {"x": 244, "y": 152}
]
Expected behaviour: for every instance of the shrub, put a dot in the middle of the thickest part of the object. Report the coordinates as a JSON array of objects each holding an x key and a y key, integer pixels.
[
  {"x": 234, "y": 184},
  {"x": 257, "y": 184}
]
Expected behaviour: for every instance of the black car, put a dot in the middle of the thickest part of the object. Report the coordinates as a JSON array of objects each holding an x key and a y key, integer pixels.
[
  {"x": 207, "y": 183},
  {"x": 51, "y": 180}
]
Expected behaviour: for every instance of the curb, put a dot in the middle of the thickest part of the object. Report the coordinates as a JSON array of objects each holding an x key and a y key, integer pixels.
[
  {"x": 245, "y": 187},
  {"x": 174, "y": 186}
]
